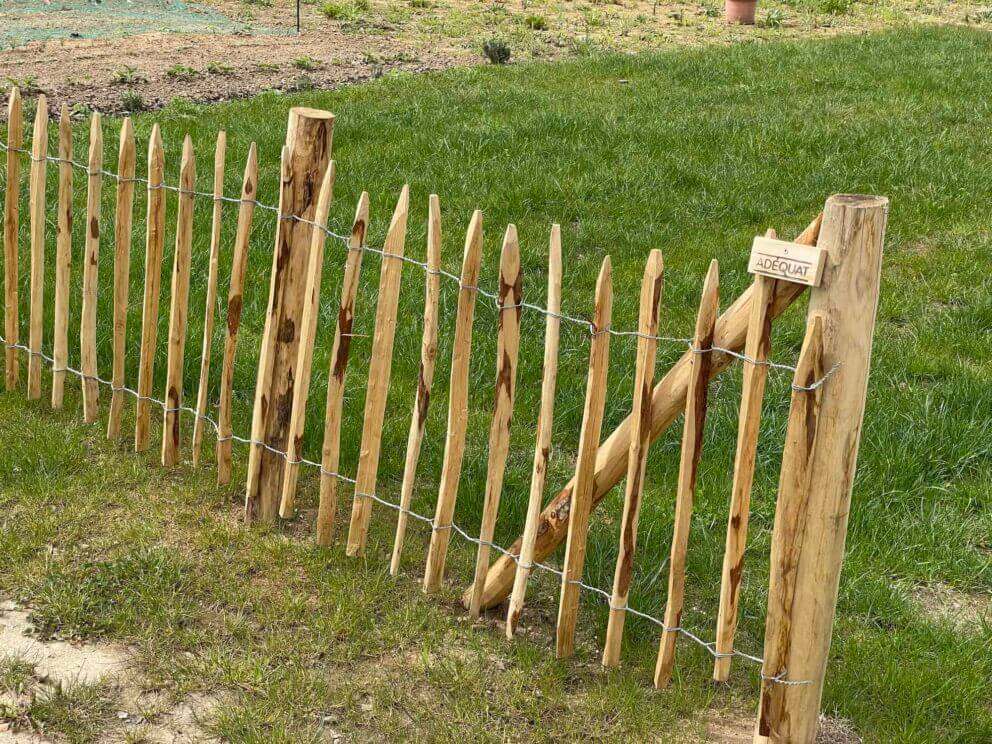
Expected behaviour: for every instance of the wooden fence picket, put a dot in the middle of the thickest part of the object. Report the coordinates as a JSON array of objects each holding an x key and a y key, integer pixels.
[
  {"x": 91, "y": 257},
  {"x": 756, "y": 347},
  {"x": 454, "y": 446},
  {"x": 154, "y": 245},
  {"x": 308, "y": 335},
  {"x": 340, "y": 348},
  {"x": 36, "y": 213},
  {"x": 200, "y": 422},
  {"x": 692, "y": 449},
  {"x": 542, "y": 448},
  {"x": 63, "y": 260},
  {"x": 640, "y": 441},
  {"x": 122, "y": 271},
  {"x": 507, "y": 350},
  {"x": 585, "y": 466},
  {"x": 11, "y": 216},
  {"x": 380, "y": 367},
  {"x": 179, "y": 309},
  {"x": 235, "y": 303},
  {"x": 425, "y": 378}
]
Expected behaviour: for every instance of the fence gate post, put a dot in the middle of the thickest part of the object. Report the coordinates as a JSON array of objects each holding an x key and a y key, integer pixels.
[
  {"x": 852, "y": 234},
  {"x": 305, "y": 157}
]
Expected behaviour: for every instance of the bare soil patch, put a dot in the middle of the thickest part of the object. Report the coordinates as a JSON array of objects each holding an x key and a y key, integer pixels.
[
  {"x": 739, "y": 729},
  {"x": 942, "y": 602}
]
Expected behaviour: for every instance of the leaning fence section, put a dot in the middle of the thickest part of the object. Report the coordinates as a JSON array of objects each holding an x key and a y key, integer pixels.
[{"x": 836, "y": 260}]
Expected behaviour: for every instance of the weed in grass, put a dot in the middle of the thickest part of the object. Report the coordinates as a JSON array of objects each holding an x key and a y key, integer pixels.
[
  {"x": 219, "y": 68},
  {"x": 836, "y": 7},
  {"x": 80, "y": 110},
  {"x": 262, "y": 3},
  {"x": 337, "y": 11},
  {"x": 127, "y": 75},
  {"x": 496, "y": 51},
  {"x": 712, "y": 11},
  {"x": 306, "y": 63},
  {"x": 774, "y": 18},
  {"x": 15, "y": 673},
  {"x": 363, "y": 6},
  {"x": 982, "y": 15},
  {"x": 266, "y": 66},
  {"x": 28, "y": 85},
  {"x": 421, "y": 4},
  {"x": 302, "y": 83},
  {"x": 132, "y": 102},
  {"x": 536, "y": 22},
  {"x": 182, "y": 72},
  {"x": 79, "y": 713}
]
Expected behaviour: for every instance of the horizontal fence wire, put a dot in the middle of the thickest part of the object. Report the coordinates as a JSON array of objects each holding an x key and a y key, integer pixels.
[{"x": 709, "y": 646}]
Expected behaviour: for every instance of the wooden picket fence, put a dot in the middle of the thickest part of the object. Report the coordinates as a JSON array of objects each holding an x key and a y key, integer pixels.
[{"x": 821, "y": 443}]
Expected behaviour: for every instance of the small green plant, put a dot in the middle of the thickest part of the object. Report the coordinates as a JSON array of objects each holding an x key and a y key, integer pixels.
[
  {"x": 420, "y": 3},
  {"x": 266, "y": 66},
  {"x": 127, "y": 75},
  {"x": 712, "y": 11},
  {"x": 80, "y": 110},
  {"x": 336, "y": 11},
  {"x": 263, "y": 3},
  {"x": 133, "y": 102},
  {"x": 181, "y": 72},
  {"x": 496, "y": 51},
  {"x": 28, "y": 85},
  {"x": 363, "y": 6},
  {"x": 536, "y": 22},
  {"x": 302, "y": 83},
  {"x": 219, "y": 68},
  {"x": 836, "y": 7},
  {"x": 306, "y": 63},
  {"x": 774, "y": 18},
  {"x": 982, "y": 15}
]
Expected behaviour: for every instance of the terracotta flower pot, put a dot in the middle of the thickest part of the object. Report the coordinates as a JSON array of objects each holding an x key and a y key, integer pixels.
[{"x": 740, "y": 11}]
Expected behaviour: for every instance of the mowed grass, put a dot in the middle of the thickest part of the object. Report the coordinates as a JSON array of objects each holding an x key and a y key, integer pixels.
[{"x": 694, "y": 152}]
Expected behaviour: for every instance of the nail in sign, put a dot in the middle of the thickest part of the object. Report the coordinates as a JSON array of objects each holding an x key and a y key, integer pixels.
[{"x": 793, "y": 262}]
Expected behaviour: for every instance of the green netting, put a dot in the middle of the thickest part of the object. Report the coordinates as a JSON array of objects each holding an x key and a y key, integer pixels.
[{"x": 22, "y": 21}]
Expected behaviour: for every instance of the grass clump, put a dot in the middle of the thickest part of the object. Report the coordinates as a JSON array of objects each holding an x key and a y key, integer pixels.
[
  {"x": 337, "y": 11},
  {"x": 496, "y": 51},
  {"x": 836, "y": 7},
  {"x": 536, "y": 22},
  {"x": 182, "y": 72},
  {"x": 132, "y": 102},
  {"x": 127, "y": 75},
  {"x": 306, "y": 63},
  {"x": 219, "y": 68},
  {"x": 774, "y": 18}
]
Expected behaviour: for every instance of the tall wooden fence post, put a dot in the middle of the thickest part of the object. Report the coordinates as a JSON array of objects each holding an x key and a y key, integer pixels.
[
  {"x": 847, "y": 299},
  {"x": 11, "y": 213},
  {"x": 63, "y": 260},
  {"x": 91, "y": 258},
  {"x": 304, "y": 161},
  {"x": 36, "y": 212}
]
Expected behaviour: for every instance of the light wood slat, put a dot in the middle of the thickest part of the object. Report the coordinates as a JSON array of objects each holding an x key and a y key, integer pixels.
[
  {"x": 592, "y": 423},
  {"x": 380, "y": 367},
  {"x": 454, "y": 446},
  {"x": 331, "y": 448},
  {"x": 692, "y": 448},
  {"x": 63, "y": 260},
  {"x": 542, "y": 448},
  {"x": 425, "y": 378},
  {"x": 308, "y": 335},
  {"x": 640, "y": 441},
  {"x": 179, "y": 306},
  {"x": 122, "y": 270},
  {"x": 11, "y": 219},
  {"x": 235, "y": 303},
  {"x": 507, "y": 350},
  {"x": 756, "y": 347},
  {"x": 154, "y": 244},
  {"x": 36, "y": 214},
  {"x": 91, "y": 257}
]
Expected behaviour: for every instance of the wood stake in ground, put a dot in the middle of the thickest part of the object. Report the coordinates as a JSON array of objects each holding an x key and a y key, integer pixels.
[
  {"x": 36, "y": 213},
  {"x": 235, "y": 301},
  {"x": 331, "y": 449},
  {"x": 425, "y": 378},
  {"x": 122, "y": 270},
  {"x": 757, "y": 347},
  {"x": 637, "y": 460},
  {"x": 11, "y": 215},
  {"x": 692, "y": 449},
  {"x": 308, "y": 334},
  {"x": 585, "y": 466},
  {"x": 154, "y": 243},
  {"x": 63, "y": 260},
  {"x": 220, "y": 151},
  {"x": 91, "y": 256},
  {"x": 542, "y": 448},
  {"x": 379, "y": 372},
  {"x": 507, "y": 348},
  {"x": 454, "y": 446},
  {"x": 179, "y": 310}
]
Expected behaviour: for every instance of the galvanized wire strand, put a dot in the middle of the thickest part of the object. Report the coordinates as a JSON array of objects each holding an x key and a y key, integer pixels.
[{"x": 423, "y": 265}]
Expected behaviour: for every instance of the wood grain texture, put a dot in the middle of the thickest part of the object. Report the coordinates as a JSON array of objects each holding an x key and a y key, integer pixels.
[
  {"x": 667, "y": 402},
  {"x": 507, "y": 351},
  {"x": 304, "y": 163},
  {"x": 585, "y": 466},
  {"x": 380, "y": 367},
  {"x": 692, "y": 449},
  {"x": 179, "y": 307},
  {"x": 336, "y": 374},
  {"x": 200, "y": 422},
  {"x": 154, "y": 244},
  {"x": 11, "y": 219},
  {"x": 91, "y": 258},
  {"x": 847, "y": 299},
  {"x": 640, "y": 441},
  {"x": 63, "y": 260},
  {"x": 122, "y": 271},
  {"x": 425, "y": 377},
  {"x": 235, "y": 302},
  {"x": 542, "y": 447},
  {"x": 454, "y": 445},
  {"x": 756, "y": 347},
  {"x": 308, "y": 335},
  {"x": 36, "y": 215}
]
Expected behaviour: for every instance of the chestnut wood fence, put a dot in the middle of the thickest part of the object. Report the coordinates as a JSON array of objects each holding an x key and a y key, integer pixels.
[{"x": 821, "y": 442}]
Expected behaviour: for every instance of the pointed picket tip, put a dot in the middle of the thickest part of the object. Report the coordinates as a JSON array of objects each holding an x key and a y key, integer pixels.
[
  {"x": 473, "y": 249},
  {"x": 709, "y": 303},
  {"x": 360, "y": 225},
  {"x": 655, "y": 266},
  {"x": 434, "y": 233},
  {"x": 510, "y": 253},
  {"x": 127, "y": 126},
  {"x": 64, "y": 114},
  {"x": 96, "y": 144},
  {"x": 42, "y": 108},
  {"x": 14, "y": 99},
  {"x": 398, "y": 222},
  {"x": 604, "y": 297},
  {"x": 253, "y": 154},
  {"x": 155, "y": 140}
]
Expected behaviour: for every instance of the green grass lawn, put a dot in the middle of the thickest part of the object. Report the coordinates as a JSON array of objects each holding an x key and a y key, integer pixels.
[{"x": 694, "y": 152}]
